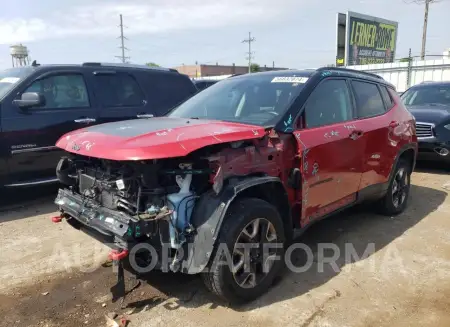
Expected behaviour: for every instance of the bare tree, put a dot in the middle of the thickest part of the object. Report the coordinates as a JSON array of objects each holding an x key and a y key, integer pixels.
[{"x": 425, "y": 22}]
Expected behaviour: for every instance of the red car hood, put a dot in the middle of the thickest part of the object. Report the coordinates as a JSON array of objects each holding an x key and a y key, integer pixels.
[{"x": 154, "y": 138}]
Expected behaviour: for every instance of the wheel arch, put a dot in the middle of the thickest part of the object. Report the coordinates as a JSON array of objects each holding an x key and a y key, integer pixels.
[
  {"x": 408, "y": 153},
  {"x": 210, "y": 211}
]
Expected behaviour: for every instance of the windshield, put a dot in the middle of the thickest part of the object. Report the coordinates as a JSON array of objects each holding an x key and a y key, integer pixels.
[
  {"x": 427, "y": 95},
  {"x": 9, "y": 78},
  {"x": 256, "y": 99}
]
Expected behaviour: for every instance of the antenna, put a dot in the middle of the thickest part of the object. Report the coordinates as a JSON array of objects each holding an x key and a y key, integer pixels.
[
  {"x": 249, "y": 53},
  {"x": 122, "y": 43}
]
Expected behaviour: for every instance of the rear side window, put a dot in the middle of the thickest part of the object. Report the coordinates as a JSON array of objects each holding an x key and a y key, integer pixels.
[
  {"x": 386, "y": 97},
  {"x": 369, "y": 102},
  {"x": 119, "y": 90},
  {"x": 170, "y": 90}
]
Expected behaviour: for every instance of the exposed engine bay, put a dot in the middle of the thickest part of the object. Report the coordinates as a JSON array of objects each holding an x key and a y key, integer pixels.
[{"x": 132, "y": 201}]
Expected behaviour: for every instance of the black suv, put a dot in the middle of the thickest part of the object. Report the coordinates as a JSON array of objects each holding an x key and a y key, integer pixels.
[
  {"x": 40, "y": 103},
  {"x": 429, "y": 102}
]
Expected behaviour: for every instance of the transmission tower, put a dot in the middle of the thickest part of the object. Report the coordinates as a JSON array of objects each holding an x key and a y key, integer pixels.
[
  {"x": 249, "y": 53},
  {"x": 122, "y": 43}
]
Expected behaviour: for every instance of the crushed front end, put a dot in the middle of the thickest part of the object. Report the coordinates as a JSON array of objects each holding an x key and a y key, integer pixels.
[
  {"x": 131, "y": 202},
  {"x": 125, "y": 204}
]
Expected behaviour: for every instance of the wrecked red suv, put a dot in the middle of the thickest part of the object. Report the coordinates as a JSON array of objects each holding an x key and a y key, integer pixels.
[{"x": 250, "y": 160}]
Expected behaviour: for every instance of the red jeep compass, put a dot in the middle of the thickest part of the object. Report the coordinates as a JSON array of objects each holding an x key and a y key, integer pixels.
[{"x": 235, "y": 170}]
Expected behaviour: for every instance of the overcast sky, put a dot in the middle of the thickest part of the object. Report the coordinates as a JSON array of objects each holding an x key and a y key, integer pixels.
[{"x": 293, "y": 33}]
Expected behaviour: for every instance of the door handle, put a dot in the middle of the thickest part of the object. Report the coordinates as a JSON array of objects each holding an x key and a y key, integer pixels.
[
  {"x": 356, "y": 134},
  {"x": 84, "y": 120},
  {"x": 394, "y": 124},
  {"x": 144, "y": 116}
]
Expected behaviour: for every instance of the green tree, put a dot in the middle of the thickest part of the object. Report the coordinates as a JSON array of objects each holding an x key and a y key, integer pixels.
[
  {"x": 152, "y": 64},
  {"x": 254, "y": 68},
  {"x": 406, "y": 59}
]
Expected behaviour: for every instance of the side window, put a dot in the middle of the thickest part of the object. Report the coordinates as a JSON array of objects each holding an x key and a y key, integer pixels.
[
  {"x": 171, "y": 90},
  {"x": 329, "y": 103},
  {"x": 369, "y": 102},
  {"x": 386, "y": 97},
  {"x": 200, "y": 85},
  {"x": 119, "y": 90},
  {"x": 61, "y": 91}
]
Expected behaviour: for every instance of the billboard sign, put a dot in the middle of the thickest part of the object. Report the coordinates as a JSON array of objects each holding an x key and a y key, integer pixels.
[{"x": 368, "y": 40}]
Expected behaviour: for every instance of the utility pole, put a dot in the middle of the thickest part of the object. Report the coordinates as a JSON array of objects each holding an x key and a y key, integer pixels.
[
  {"x": 249, "y": 53},
  {"x": 424, "y": 33},
  {"x": 408, "y": 76},
  {"x": 122, "y": 43},
  {"x": 425, "y": 22}
]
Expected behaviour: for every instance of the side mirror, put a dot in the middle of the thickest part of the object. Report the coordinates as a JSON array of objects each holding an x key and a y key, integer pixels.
[{"x": 30, "y": 99}]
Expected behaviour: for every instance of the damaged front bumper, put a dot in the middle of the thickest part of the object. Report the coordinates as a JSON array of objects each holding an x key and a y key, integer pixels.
[{"x": 114, "y": 228}]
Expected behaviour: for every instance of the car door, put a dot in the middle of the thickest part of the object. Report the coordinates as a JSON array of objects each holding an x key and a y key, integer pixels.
[
  {"x": 30, "y": 134},
  {"x": 379, "y": 131},
  {"x": 329, "y": 149},
  {"x": 120, "y": 96}
]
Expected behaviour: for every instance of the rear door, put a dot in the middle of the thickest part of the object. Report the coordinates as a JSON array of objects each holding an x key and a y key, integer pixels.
[
  {"x": 379, "y": 125},
  {"x": 30, "y": 134},
  {"x": 329, "y": 151},
  {"x": 120, "y": 96}
]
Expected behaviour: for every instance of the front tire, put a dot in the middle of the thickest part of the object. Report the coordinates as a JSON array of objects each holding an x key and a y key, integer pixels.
[
  {"x": 395, "y": 200},
  {"x": 249, "y": 252}
]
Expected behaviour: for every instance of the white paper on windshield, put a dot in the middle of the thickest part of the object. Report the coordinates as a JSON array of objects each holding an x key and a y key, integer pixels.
[
  {"x": 289, "y": 79},
  {"x": 10, "y": 80}
]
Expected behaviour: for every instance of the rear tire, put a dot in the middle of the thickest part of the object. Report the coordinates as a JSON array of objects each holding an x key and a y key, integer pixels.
[
  {"x": 241, "y": 278},
  {"x": 396, "y": 198}
]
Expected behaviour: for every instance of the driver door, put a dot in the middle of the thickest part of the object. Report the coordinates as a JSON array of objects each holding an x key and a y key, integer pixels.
[
  {"x": 31, "y": 133},
  {"x": 331, "y": 152}
]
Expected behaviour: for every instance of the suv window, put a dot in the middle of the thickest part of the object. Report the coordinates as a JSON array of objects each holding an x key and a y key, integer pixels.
[
  {"x": 368, "y": 99},
  {"x": 386, "y": 97},
  {"x": 258, "y": 99},
  {"x": 329, "y": 103},
  {"x": 61, "y": 91},
  {"x": 171, "y": 90},
  {"x": 119, "y": 90}
]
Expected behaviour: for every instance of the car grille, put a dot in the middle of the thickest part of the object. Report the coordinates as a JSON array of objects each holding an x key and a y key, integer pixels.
[{"x": 424, "y": 130}]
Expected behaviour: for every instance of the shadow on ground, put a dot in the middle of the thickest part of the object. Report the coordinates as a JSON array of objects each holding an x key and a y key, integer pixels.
[
  {"x": 75, "y": 299},
  {"x": 432, "y": 167},
  {"x": 22, "y": 203},
  {"x": 356, "y": 226}
]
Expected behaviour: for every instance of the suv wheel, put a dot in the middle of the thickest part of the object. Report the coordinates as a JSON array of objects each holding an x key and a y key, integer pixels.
[
  {"x": 244, "y": 266},
  {"x": 396, "y": 198}
]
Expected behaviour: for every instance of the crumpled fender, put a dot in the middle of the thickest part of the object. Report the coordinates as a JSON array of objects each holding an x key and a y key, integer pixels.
[{"x": 208, "y": 215}]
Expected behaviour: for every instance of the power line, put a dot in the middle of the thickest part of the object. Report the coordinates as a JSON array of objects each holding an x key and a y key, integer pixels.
[
  {"x": 249, "y": 53},
  {"x": 122, "y": 43}
]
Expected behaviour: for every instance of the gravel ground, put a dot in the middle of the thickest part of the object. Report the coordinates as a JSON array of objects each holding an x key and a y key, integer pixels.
[{"x": 53, "y": 275}]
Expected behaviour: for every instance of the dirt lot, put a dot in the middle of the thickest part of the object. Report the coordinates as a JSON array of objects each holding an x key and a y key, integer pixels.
[{"x": 52, "y": 275}]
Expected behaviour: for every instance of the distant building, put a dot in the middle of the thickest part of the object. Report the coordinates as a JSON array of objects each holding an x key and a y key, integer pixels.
[{"x": 215, "y": 70}]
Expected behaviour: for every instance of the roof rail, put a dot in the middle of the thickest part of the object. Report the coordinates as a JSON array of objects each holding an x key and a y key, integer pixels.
[
  {"x": 108, "y": 64},
  {"x": 354, "y": 71}
]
